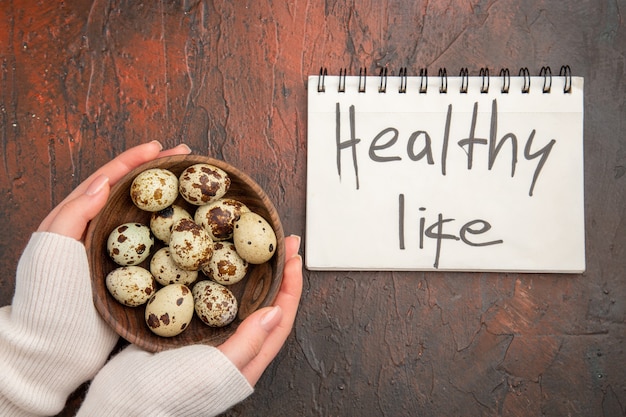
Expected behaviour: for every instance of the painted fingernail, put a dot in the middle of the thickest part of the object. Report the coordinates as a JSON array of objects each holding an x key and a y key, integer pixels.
[
  {"x": 97, "y": 185},
  {"x": 271, "y": 318}
]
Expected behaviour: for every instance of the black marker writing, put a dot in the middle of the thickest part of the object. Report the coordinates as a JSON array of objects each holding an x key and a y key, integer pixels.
[
  {"x": 435, "y": 231},
  {"x": 419, "y": 145},
  {"x": 495, "y": 146},
  {"x": 472, "y": 139},
  {"x": 541, "y": 153},
  {"x": 350, "y": 143}
]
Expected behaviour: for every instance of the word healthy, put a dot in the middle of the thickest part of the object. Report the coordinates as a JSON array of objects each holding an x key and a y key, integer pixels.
[{"x": 383, "y": 142}]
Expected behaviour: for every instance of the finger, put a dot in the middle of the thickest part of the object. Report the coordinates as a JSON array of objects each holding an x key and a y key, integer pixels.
[
  {"x": 292, "y": 245},
  {"x": 129, "y": 160},
  {"x": 291, "y": 288},
  {"x": 136, "y": 156},
  {"x": 181, "y": 149},
  {"x": 288, "y": 299},
  {"x": 117, "y": 168},
  {"x": 247, "y": 341},
  {"x": 260, "y": 337},
  {"x": 114, "y": 170},
  {"x": 72, "y": 217}
]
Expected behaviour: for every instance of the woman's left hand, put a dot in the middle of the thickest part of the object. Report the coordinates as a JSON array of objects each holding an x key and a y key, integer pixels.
[{"x": 71, "y": 216}]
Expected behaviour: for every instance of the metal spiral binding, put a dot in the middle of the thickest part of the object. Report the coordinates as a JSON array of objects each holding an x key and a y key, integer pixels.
[
  {"x": 382, "y": 88},
  {"x": 464, "y": 74},
  {"x": 362, "y": 79},
  {"x": 423, "y": 80},
  {"x": 342, "y": 80},
  {"x": 321, "y": 88},
  {"x": 566, "y": 73},
  {"x": 402, "y": 75},
  {"x": 443, "y": 77},
  {"x": 505, "y": 76},
  {"x": 506, "y": 80},
  {"x": 484, "y": 74},
  {"x": 546, "y": 73},
  {"x": 523, "y": 72}
]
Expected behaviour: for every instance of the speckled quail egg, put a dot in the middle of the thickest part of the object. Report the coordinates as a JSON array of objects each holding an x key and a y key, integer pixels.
[
  {"x": 254, "y": 238},
  {"x": 161, "y": 221},
  {"x": 219, "y": 216},
  {"x": 214, "y": 303},
  {"x": 170, "y": 310},
  {"x": 154, "y": 189},
  {"x": 165, "y": 270},
  {"x": 203, "y": 183},
  {"x": 130, "y": 244},
  {"x": 191, "y": 246},
  {"x": 131, "y": 285},
  {"x": 226, "y": 266}
]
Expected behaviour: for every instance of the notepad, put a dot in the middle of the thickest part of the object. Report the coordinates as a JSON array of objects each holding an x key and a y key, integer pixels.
[{"x": 445, "y": 173}]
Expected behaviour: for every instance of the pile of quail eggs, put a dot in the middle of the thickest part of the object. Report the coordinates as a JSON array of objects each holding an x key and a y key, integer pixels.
[{"x": 202, "y": 254}]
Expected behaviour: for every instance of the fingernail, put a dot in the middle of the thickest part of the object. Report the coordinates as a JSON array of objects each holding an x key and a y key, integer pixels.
[
  {"x": 185, "y": 147},
  {"x": 271, "y": 318},
  {"x": 97, "y": 185},
  {"x": 158, "y": 143},
  {"x": 299, "y": 239}
]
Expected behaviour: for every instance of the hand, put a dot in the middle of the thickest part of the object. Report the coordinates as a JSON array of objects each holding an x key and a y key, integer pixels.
[
  {"x": 71, "y": 216},
  {"x": 259, "y": 337}
]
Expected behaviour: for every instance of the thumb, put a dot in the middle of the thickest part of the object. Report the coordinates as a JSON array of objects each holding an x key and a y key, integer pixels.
[
  {"x": 244, "y": 346},
  {"x": 72, "y": 218}
]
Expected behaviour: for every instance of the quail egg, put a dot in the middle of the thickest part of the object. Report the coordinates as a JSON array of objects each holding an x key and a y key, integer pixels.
[
  {"x": 226, "y": 266},
  {"x": 165, "y": 270},
  {"x": 203, "y": 183},
  {"x": 170, "y": 310},
  {"x": 191, "y": 246},
  {"x": 130, "y": 244},
  {"x": 161, "y": 221},
  {"x": 218, "y": 217},
  {"x": 214, "y": 303},
  {"x": 131, "y": 285},
  {"x": 154, "y": 189},
  {"x": 254, "y": 238}
]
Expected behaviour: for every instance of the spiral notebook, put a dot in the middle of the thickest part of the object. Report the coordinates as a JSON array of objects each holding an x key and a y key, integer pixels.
[{"x": 460, "y": 173}]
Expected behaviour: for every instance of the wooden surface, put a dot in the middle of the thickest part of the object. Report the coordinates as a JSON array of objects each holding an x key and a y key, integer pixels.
[{"x": 80, "y": 81}]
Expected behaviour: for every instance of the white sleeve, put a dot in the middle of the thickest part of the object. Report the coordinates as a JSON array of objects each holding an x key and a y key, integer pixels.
[
  {"x": 194, "y": 380},
  {"x": 52, "y": 339}
]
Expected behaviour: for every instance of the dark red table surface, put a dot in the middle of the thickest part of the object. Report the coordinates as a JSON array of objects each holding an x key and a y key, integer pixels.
[{"x": 82, "y": 81}]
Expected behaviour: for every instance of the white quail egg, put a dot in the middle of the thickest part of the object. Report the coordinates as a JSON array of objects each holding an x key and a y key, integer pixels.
[
  {"x": 165, "y": 270},
  {"x": 203, "y": 183},
  {"x": 161, "y": 221},
  {"x": 131, "y": 285},
  {"x": 130, "y": 244},
  {"x": 154, "y": 189},
  {"x": 170, "y": 310},
  {"x": 254, "y": 238},
  {"x": 218, "y": 217},
  {"x": 214, "y": 303},
  {"x": 226, "y": 266},
  {"x": 191, "y": 246}
]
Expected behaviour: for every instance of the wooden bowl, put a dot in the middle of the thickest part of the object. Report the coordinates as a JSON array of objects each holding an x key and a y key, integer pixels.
[{"x": 258, "y": 289}]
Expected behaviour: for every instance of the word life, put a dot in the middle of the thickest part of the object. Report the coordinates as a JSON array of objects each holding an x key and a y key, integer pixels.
[{"x": 468, "y": 233}]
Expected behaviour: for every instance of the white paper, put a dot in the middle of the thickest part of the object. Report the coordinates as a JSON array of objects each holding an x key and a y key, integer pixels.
[{"x": 417, "y": 204}]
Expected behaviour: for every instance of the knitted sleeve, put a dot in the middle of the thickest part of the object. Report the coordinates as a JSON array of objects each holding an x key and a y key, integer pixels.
[
  {"x": 194, "y": 380},
  {"x": 52, "y": 339}
]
